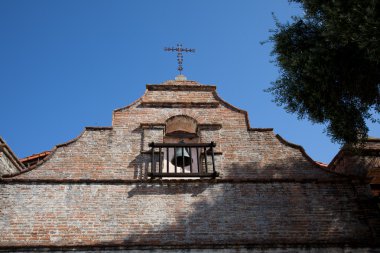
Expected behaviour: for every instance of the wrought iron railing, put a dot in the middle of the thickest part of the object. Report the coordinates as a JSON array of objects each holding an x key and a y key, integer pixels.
[{"x": 183, "y": 160}]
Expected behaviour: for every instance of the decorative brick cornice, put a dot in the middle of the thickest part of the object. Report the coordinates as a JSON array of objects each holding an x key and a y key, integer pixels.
[
  {"x": 168, "y": 104},
  {"x": 258, "y": 129},
  {"x": 96, "y": 128},
  {"x": 152, "y": 87},
  {"x": 215, "y": 126},
  {"x": 182, "y": 181},
  {"x": 152, "y": 125}
]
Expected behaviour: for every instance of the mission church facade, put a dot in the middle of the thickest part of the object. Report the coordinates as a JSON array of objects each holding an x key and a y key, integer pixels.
[{"x": 180, "y": 169}]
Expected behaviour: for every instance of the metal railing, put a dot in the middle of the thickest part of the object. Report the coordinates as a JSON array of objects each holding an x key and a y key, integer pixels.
[{"x": 169, "y": 160}]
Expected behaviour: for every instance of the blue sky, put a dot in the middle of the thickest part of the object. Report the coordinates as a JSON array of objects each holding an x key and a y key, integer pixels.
[{"x": 65, "y": 65}]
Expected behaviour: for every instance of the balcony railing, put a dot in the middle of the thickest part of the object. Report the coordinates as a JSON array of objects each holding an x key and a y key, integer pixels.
[{"x": 183, "y": 160}]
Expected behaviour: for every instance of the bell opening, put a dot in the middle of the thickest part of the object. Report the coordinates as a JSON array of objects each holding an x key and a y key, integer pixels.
[{"x": 181, "y": 158}]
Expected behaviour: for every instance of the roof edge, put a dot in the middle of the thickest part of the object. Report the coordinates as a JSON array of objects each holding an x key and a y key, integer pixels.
[
  {"x": 345, "y": 150},
  {"x": 304, "y": 154},
  {"x": 244, "y": 112},
  {"x": 180, "y": 87},
  {"x": 56, "y": 147},
  {"x": 11, "y": 155}
]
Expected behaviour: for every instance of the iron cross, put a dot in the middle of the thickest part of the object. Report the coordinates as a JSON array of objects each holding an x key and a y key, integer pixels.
[{"x": 179, "y": 49}]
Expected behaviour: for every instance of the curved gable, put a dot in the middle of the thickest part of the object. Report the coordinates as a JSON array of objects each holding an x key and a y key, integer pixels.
[{"x": 121, "y": 152}]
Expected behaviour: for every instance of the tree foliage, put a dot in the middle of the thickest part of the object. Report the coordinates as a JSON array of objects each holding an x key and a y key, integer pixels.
[{"x": 329, "y": 62}]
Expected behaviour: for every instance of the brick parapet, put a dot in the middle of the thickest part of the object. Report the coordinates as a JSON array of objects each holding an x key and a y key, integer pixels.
[{"x": 120, "y": 151}]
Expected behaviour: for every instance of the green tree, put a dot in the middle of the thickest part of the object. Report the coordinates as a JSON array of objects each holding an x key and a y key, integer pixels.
[{"x": 329, "y": 63}]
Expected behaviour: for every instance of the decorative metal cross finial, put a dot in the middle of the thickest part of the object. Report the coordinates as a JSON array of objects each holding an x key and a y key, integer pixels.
[{"x": 179, "y": 49}]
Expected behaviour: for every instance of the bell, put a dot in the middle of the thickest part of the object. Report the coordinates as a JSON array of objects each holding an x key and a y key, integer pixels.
[{"x": 183, "y": 158}]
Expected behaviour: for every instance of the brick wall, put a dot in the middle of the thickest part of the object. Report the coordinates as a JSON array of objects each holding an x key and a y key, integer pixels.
[
  {"x": 181, "y": 213},
  {"x": 361, "y": 163},
  {"x": 94, "y": 190}
]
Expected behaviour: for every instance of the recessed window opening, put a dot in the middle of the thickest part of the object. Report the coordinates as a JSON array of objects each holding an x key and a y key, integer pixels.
[
  {"x": 182, "y": 129},
  {"x": 182, "y": 154}
]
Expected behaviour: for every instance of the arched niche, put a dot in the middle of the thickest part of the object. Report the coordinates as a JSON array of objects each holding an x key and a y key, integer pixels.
[
  {"x": 181, "y": 128},
  {"x": 178, "y": 129}
]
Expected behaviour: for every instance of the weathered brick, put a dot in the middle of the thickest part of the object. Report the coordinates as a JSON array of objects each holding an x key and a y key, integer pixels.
[{"x": 94, "y": 191}]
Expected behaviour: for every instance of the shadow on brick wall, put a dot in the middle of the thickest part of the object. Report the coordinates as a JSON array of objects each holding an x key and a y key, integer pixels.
[
  {"x": 250, "y": 213},
  {"x": 169, "y": 188},
  {"x": 275, "y": 168},
  {"x": 140, "y": 166}
]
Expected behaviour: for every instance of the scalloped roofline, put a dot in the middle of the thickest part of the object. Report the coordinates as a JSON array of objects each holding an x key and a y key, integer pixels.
[
  {"x": 244, "y": 112},
  {"x": 196, "y": 86},
  {"x": 304, "y": 154},
  {"x": 127, "y": 106},
  {"x": 211, "y": 88},
  {"x": 56, "y": 147}
]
